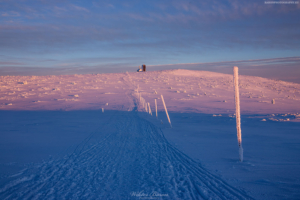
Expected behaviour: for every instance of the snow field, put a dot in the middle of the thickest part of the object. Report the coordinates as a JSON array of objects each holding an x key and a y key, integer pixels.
[
  {"x": 127, "y": 151},
  {"x": 126, "y": 155},
  {"x": 270, "y": 169},
  {"x": 199, "y": 91}
]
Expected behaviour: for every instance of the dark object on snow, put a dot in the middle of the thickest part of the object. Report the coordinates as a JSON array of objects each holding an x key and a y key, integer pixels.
[
  {"x": 139, "y": 70},
  {"x": 273, "y": 101},
  {"x": 143, "y": 68}
]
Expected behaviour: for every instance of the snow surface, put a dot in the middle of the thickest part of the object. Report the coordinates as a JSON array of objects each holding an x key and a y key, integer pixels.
[
  {"x": 125, "y": 153},
  {"x": 184, "y": 90}
]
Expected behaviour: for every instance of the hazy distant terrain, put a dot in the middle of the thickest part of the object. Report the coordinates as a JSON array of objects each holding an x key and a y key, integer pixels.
[{"x": 285, "y": 69}]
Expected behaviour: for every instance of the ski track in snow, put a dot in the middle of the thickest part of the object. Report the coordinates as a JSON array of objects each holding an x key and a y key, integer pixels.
[{"x": 131, "y": 157}]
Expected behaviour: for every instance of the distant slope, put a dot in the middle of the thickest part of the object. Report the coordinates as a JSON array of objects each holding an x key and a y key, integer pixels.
[{"x": 184, "y": 91}]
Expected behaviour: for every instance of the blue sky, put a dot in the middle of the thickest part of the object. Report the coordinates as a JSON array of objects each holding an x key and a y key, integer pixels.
[{"x": 64, "y": 33}]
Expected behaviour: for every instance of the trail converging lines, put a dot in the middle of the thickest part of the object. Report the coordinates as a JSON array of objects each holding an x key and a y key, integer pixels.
[{"x": 128, "y": 158}]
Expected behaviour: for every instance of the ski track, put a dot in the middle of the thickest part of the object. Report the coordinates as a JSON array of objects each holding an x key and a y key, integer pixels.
[
  {"x": 129, "y": 154},
  {"x": 123, "y": 158}
]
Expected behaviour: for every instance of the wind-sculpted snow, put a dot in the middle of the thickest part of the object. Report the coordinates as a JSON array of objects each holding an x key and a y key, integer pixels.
[{"x": 128, "y": 158}]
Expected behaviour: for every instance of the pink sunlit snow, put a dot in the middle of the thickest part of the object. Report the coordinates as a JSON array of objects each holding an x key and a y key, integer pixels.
[{"x": 96, "y": 136}]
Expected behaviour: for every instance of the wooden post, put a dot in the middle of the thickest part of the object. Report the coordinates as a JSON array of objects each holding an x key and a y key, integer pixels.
[
  {"x": 149, "y": 109},
  {"x": 140, "y": 97},
  {"x": 237, "y": 110},
  {"x": 155, "y": 107},
  {"x": 162, "y": 98}
]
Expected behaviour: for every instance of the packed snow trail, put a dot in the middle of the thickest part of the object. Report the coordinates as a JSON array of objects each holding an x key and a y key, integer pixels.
[{"x": 128, "y": 158}]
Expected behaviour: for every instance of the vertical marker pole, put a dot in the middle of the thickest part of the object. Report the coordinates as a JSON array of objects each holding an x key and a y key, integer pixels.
[
  {"x": 155, "y": 107},
  {"x": 237, "y": 111},
  {"x": 147, "y": 104},
  {"x": 150, "y": 112},
  {"x": 103, "y": 110},
  {"x": 162, "y": 98}
]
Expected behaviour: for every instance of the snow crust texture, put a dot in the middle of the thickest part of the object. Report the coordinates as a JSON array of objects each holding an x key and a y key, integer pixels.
[
  {"x": 183, "y": 91},
  {"x": 127, "y": 157}
]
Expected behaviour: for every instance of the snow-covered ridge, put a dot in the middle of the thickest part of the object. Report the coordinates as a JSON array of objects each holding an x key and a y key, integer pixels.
[{"x": 183, "y": 90}]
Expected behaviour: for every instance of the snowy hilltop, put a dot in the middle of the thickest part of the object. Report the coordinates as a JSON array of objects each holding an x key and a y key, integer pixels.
[{"x": 184, "y": 90}]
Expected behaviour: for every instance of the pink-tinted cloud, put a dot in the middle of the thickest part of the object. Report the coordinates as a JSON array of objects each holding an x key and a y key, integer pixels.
[
  {"x": 78, "y": 8},
  {"x": 231, "y": 9},
  {"x": 10, "y": 63},
  {"x": 10, "y": 14},
  {"x": 155, "y": 31}
]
